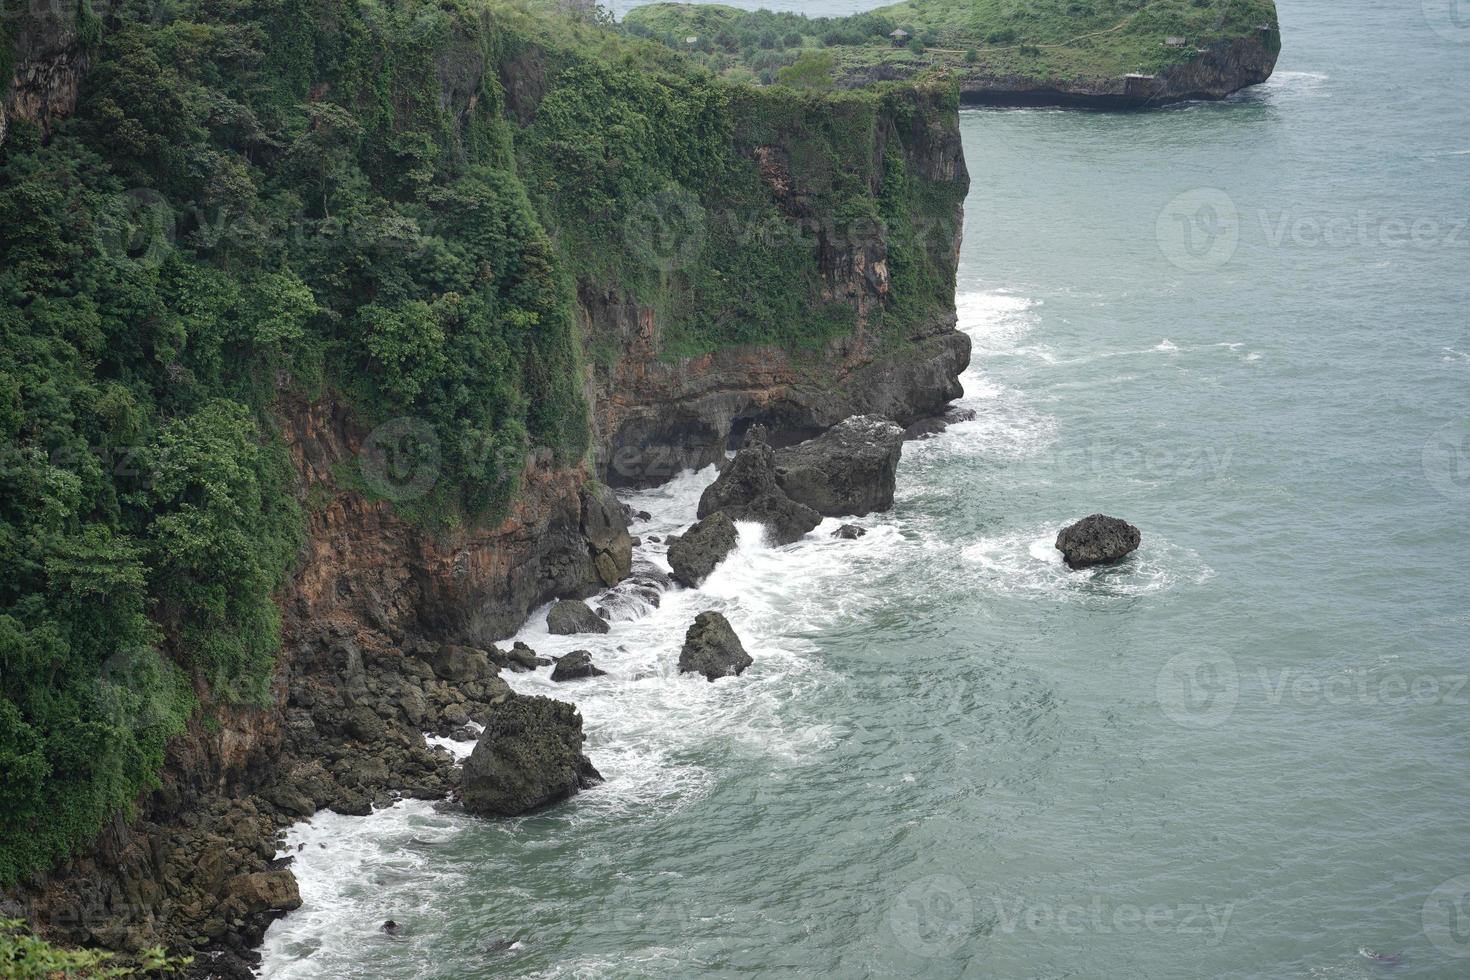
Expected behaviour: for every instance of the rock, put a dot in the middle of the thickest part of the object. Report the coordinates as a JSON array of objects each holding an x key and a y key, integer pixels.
[
  {"x": 265, "y": 891},
  {"x": 711, "y": 648},
  {"x": 849, "y": 532},
  {"x": 573, "y": 616},
  {"x": 1097, "y": 540},
  {"x": 932, "y": 426},
  {"x": 456, "y": 663},
  {"x": 528, "y": 757},
  {"x": 522, "y": 658},
  {"x": 576, "y": 666},
  {"x": 605, "y": 528},
  {"x": 849, "y": 469},
  {"x": 695, "y": 554},
  {"x": 391, "y": 927},
  {"x": 746, "y": 490}
]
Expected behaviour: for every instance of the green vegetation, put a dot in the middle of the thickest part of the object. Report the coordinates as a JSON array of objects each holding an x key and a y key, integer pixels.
[
  {"x": 1046, "y": 38},
  {"x": 27, "y": 957},
  {"x": 268, "y": 198}
]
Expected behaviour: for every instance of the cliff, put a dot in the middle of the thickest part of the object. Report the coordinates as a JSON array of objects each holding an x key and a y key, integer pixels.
[
  {"x": 43, "y": 56},
  {"x": 317, "y": 338}
]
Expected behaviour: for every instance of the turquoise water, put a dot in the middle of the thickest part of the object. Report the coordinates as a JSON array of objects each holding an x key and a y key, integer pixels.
[{"x": 1242, "y": 753}]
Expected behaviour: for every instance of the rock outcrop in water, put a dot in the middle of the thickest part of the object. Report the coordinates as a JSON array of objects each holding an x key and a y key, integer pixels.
[
  {"x": 568, "y": 616},
  {"x": 849, "y": 470},
  {"x": 696, "y": 552},
  {"x": 1097, "y": 540},
  {"x": 575, "y": 666},
  {"x": 712, "y": 648},
  {"x": 747, "y": 490},
  {"x": 528, "y": 757}
]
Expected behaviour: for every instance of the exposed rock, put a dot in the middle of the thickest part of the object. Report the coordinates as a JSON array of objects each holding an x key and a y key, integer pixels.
[
  {"x": 695, "y": 553},
  {"x": 266, "y": 891},
  {"x": 849, "y": 469},
  {"x": 605, "y": 528},
  {"x": 451, "y": 662},
  {"x": 849, "y": 532},
  {"x": 1097, "y": 540},
  {"x": 935, "y": 424},
  {"x": 711, "y": 648},
  {"x": 746, "y": 490},
  {"x": 633, "y": 598},
  {"x": 390, "y": 927},
  {"x": 523, "y": 658},
  {"x": 573, "y": 616},
  {"x": 528, "y": 757},
  {"x": 576, "y": 665}
]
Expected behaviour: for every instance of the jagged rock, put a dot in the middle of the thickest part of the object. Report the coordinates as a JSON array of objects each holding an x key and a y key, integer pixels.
[
  {"x": 711, "y": 648},
  {"x": 265, "y": 891},
  {"x": 849, "y": 469},
  {"x": 528, "y": 757},
  {"x": 849, "y": 532},
  {"x": 573, "y": 616},
  {"x": 633, "y": 598},
  {"x": 1097, "y": 540},
  {"x": 935, "y": 424},
  {"x": 746, "y": 490},
  {"x": 575, "y": 666},
  {"x": 694, "y": 554}
]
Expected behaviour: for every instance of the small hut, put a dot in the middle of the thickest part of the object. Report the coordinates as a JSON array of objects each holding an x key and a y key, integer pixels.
[{"x": 900, "y": 37}]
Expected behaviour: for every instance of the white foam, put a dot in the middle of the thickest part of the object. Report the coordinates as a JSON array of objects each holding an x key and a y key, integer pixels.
[{"x": 1167, "y": 346}]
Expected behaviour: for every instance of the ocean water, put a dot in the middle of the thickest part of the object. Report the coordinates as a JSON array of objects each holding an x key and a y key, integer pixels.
[{"x": 1241, "y": 753}]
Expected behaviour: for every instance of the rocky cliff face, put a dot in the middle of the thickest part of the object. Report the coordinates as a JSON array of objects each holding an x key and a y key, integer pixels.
[
  {"x": 47, "y": 62},
  {"x": 385, "y": 630},
  {"x": 655, "y": 415}
]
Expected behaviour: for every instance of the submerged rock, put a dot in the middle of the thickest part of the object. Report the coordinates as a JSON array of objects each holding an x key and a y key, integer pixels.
[
  {"x": 746, "y": 490},
  {"x": 570, "y": 616},
  {"x": 849, "y": 532},
  {"x": 575, "y": 666},
  {"x": 849, "y": 469},
  {"x": 695, "y": 554},
  {"x": 528, "y": 757},
  {"x": 1097, "y": 540},
  {"x": 712, "y": 648}
]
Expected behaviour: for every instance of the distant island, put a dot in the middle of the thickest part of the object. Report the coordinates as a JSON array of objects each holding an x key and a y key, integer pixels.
[{"x": 1099, "y": 53}]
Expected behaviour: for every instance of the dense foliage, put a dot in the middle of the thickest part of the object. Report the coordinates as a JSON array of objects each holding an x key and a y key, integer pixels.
[{"x": 261, "y": 200}]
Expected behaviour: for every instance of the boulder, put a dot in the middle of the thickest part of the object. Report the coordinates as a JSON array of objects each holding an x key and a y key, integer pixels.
[
  {"x": 265, "y": 891},
  {"x": 849, "y": 532},
  {"x": 746, "y": 490},
  {"x": 695, "y": 553},
  {"x": 456, "y": 663},
  {"x": 575, "y": 666},
  {"x": 573, "y": 616},
  {"x": 711, "y": 648},
  {"x": 849, "y": 469},
  {"x": 529, "y": 756},
  {"x": 1097, "y": 540}
]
